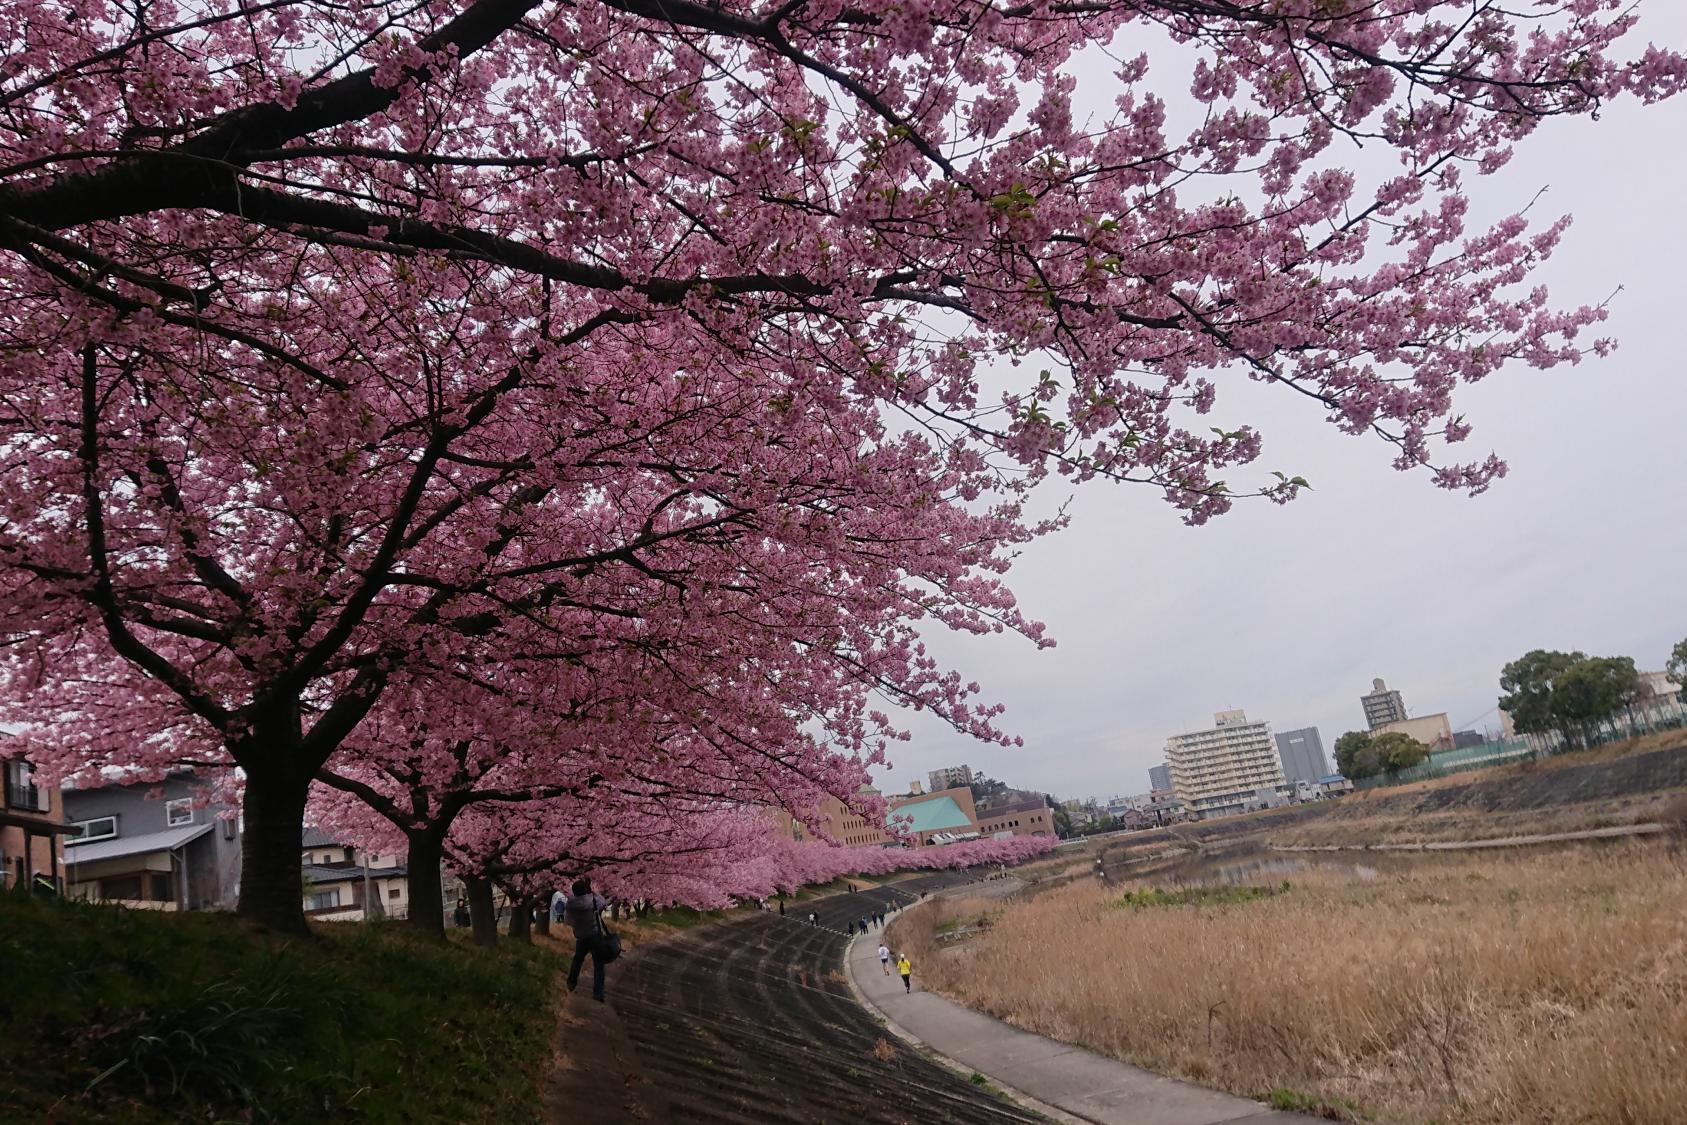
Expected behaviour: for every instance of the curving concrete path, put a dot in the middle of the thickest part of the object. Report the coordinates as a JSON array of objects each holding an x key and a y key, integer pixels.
[{"x": 1057, "y": 1079}]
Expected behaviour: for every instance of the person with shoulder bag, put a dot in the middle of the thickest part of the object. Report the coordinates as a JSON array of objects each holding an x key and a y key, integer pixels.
[{"x": 584, "y": 912}]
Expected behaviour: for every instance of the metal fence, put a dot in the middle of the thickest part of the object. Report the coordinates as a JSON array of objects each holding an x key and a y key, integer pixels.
[
  {"x": 1635, "y": 721},
  {"x": 1444, "y": 762}
]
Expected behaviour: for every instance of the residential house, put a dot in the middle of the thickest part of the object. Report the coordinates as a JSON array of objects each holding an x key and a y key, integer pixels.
[
  {"x": 31, "y": 826},
  {"x": 339, "y": 879},
  {"x": 1335, "y": 785},
  {"x": 157, "y": 846}
]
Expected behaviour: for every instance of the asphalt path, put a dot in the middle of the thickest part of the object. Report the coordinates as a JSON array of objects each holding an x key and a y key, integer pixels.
[{"x": 753, "y": 1021}]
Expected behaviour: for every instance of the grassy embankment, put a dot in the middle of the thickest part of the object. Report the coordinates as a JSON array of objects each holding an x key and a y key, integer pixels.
[
  {"x": 1542, "y": 986},
  {"x": 1639, "y": 781},
  {"x": 109, "y": 1015}
]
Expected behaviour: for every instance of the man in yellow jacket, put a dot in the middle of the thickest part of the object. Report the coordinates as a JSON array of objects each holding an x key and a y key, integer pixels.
[{"x": 906, "y": 968}]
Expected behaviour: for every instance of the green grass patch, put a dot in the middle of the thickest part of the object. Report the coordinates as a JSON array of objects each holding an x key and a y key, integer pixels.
[
  {"x": 111, "y": 1015},
  {"x": 1294, "y": 1101},
  {"x": 1197, "y": 896}
]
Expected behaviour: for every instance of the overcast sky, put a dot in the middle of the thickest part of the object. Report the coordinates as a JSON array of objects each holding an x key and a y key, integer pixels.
[{"x": 1289, "y": 612}]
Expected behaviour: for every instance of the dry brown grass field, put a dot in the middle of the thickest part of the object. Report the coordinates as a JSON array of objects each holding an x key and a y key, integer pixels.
[{"x": 1535, "y": 986}]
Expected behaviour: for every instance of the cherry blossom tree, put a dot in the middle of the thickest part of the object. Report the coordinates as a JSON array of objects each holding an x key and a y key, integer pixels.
[{"x": 345, "y": 342}]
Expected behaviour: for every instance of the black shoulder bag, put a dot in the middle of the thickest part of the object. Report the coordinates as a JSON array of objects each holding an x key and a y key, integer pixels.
[{"x": 608, "y": 942}]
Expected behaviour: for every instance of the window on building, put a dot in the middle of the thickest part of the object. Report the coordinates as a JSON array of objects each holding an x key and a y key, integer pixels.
[
  {"x": 392, "y": 892},
  {"x": 99, "y": 828},
  {"x": 178, "y": 812},
  {"x": 160, "y": 891},
  {"x": 324, "y": 900}
]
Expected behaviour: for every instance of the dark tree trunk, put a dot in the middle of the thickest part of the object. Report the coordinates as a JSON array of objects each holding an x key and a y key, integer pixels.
[
  {"x": 542, "y": 922},
  {"x": 521, "y": 920},
  {"x": 271, "y": 886},
  {"x": 482, "y": 910},
  {"x": 427, "y": 898}
]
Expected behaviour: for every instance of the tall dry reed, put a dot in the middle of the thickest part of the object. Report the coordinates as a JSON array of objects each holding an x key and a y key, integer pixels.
[{"x": 1519, "y": 987}]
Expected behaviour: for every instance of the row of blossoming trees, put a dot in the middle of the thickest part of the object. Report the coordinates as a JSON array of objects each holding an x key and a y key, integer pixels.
[{"x": 551, "y": 426}]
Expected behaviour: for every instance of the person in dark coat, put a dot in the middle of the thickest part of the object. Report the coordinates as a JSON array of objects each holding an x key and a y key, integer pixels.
[{"x": 585, "y": 917}]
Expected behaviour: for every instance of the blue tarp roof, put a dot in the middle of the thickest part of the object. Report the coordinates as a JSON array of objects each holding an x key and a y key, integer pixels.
[{"x": 930, "y": 816}]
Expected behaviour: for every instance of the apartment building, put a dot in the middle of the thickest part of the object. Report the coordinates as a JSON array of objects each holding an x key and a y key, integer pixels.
[
  {"x": 1220, "y": 770},
  {"x": 950, "y": 777},
  {"x": 1382, "y": 706}
]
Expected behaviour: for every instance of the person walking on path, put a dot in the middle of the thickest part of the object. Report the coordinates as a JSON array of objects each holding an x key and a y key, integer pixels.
[
  {"x": 849, "y": 928},
  {"x": 863, "y": 923},
  {"x": 585, "y": 917},
  {"x": 884, "y": 958},
  {"x": 813, "y": 918},
  {"x": 906, "y": 968}
]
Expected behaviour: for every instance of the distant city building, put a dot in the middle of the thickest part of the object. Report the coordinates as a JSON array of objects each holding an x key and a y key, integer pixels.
[
  {"x": 1302, "y": 752},
  {"x": 1138, "y": 802},
  {"x": 1026, "y": 814},
  {"x": 1382, "y": 706},
  {"x": 1220, "y": 770},
  {"x": 1160, "y": 776},
  {"x": 1464, "y": 738},
  {"x": 1658, "y": 686},
  {"x": 950, "y": 777},
  {"x": 1434, "y": 731}
]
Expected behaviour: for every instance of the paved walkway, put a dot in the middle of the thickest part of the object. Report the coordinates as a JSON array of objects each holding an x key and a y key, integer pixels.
[{"x": 1075, "y": 1084}]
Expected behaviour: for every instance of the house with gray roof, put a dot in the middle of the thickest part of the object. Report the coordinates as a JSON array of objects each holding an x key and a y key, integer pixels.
[{"x": 167, "y": 845}]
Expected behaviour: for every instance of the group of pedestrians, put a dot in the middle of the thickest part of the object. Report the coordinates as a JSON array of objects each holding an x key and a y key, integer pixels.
[
  {"x": 876, "y": 918},
  {"x": 583, "y": 910}
]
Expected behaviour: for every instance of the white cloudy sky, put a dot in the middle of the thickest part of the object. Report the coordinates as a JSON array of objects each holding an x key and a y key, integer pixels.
[{"x": 1289, "y": 612}]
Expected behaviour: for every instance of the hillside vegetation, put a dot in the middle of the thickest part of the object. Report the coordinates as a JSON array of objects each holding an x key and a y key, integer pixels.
[{"x": 110, "y": 1015}]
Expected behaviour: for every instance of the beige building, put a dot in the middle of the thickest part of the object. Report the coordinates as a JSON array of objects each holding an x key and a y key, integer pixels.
[
  {"x": 1434, "y": 731},
  {"x": 1221, "y": 770},
  {"x": 340, "y": 881},
  {"x": 1029, "y": 815},
  {"x": 835, "y": 821},
  {"x": 949, "y": 777}
]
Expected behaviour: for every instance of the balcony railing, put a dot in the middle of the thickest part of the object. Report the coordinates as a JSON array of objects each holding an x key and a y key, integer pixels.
[{"x": 31, "y": 798}]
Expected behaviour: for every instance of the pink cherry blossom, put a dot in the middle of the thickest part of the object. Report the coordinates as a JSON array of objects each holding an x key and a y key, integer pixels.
[{"x": 622, "y": 390}]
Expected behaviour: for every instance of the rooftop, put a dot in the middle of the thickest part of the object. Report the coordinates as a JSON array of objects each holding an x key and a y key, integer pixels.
[
  {"x": 120, "y": 846},
  {"x": 929, "y": 816},
  {"x": 319, "y": 873}
]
